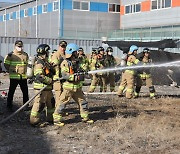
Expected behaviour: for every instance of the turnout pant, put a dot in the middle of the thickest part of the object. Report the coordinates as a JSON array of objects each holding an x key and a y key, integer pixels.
[
  {"x": 57, "y": 86},
  {"x": 66, "y": 96},
  {"x": 148, "y": 82},
  {"x": 12, "y": 87},
  {"x": 127, "y": 81},
  {"x": 42, "y": 100}
]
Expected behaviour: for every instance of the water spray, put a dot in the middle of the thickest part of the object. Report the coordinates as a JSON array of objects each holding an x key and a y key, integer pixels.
[{"x": 169, "y": 64}]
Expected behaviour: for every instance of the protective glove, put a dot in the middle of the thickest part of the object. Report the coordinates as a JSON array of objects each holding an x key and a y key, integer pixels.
[
  {"x": 79, "y": 77},
  {"x": 30, "y": 81},
  {"x": 39, "y": 78}
]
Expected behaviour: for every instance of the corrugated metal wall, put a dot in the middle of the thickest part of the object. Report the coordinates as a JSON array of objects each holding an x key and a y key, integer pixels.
[
  {"x": 30, "y": 44},
  {"x": 77, "y": 24}
]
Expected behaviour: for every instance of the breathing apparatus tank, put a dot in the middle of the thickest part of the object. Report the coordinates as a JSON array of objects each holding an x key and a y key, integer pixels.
[
  {"x": 30, "y": 67},
  {"x": 123, "y": 60}
]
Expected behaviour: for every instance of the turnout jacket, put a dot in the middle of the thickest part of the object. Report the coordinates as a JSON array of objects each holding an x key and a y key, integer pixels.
[
  {"x": 56, "y": 61},
  {"x": 42, "y": 74},
  {"x": 16, "y": 64},
  {"x": 69, "y": 74}
]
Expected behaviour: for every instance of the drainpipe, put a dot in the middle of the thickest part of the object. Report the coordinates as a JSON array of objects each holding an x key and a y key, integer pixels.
[{"x": 61, "y": 16}]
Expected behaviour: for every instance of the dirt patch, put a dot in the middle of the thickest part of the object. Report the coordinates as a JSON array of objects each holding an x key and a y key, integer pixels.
[{"x": 121, "y": 126}]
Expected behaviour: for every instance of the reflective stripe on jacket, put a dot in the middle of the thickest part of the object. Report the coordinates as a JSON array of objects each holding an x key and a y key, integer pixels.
[{"x": 16, "y": 64}]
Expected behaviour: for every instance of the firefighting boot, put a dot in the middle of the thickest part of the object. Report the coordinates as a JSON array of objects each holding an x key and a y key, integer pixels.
[
  {"x": 87, "y": 120},
  {"x": 58, "y": 120}
]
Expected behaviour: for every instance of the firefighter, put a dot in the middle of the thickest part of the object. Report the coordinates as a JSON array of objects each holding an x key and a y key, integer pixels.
[
  {"x": 16, "y": 64},
  {"x": 111, "y": 62},
  {"x": 83, "y": 60},
  {"x": 72, "y": 87},
  {"x": 56, "y": 61},
  {"x": 98, "y": 62},
  {"x": 144, "y": 75},
  {"x": 127, "y": 79},
  {"x": 102, "y": 76},
  {"x": 43, "y": 74}
]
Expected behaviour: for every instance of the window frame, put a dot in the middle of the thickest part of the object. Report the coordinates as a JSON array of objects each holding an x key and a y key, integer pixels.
[
  {"x": 34, "y": 8},
  {"x": 54, "y": 5},
  {"x": 17, "y": 14},
  {"x": 26, "y": 12},
  {"x": 160, "y": 4},
  {"x": 11, "y": 16},
  {"x": 115, "y": 11},
  {"x": 136, "y": 8},
  {"x": 4, "y": 17},
  {"x": 80, "y": 7},
  {"x": 43, "y": 8},
  {"x": 130, "y": 6}
]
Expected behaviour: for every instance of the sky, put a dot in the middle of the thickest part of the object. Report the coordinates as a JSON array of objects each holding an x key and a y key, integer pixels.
[{"x": 12, "y": 1}]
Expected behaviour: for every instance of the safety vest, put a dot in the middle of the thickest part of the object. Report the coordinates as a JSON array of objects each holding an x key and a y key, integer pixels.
[{"x": 16, "y": 64}]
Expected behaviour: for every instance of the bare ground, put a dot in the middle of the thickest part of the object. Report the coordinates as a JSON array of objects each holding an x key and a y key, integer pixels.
[{"x": 136, "y": 126}]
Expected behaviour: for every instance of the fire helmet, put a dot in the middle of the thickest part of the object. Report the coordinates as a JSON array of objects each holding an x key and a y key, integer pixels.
[
  {"x": 63, "y": 44},
  {"x": 43, "y": 49},
  {"x": 132, "y": 49},
  {"x": 100, "y": 49},
  {"x": 109, "y": 49},
  {"x": 146, "y": 50},
  {"x": 71, "y": 47}
]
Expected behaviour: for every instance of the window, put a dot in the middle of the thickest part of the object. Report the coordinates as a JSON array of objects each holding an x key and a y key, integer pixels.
[
  {"x": 84, "y": 6},
  {"x": 167, "y": 3},
  {"x": 137, "y": 7},
  {"x": 44, "y": 8},
  {"x": 154, "y": 5},
  {"x": 55, "y": 6},
  {"x": 25, "y": 12},
  {"x": 114, "y": 8},
  {"x": 17, "y": 14},
  {"x": 80, "y": 5},
  {"x": 159, "y": 4},
  {"x": 128, "y": 9},
  {"x": 117, "y": 8},
  {"x": 35, "y": 10},
  {"x": 76, "y": 5},
  {"x": 4, "y": 17},
  {"x": 11, "y": 16}
]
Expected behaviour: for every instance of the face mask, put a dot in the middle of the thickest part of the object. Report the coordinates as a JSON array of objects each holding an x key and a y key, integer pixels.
[
  {"x": 18, "y": 48},
  {"x": 109, "y": 53}
]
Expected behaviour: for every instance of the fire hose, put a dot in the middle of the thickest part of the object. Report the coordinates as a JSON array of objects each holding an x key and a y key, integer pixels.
[{"x": 23, "y": 106}]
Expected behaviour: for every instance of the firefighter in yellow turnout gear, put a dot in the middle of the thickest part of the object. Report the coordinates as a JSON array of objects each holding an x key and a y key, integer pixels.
[
  {"x": 16, "y": 64},
  {"x": 144, "y": 75},
  {"x": 56, "y": 61},
  {"x": 111, "y": 62},
  {"x": 98, "y": 61},
  {"x": 42, "y": 77},
  {"x": 83, "y": 60},
  {"x": 72, "y": 86},
  {"x": 128, "y": 76}
]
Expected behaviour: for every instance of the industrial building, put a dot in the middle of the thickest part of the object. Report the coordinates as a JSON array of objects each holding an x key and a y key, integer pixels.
[
  {"x": 86, "y": 22},
  {"x": 60, "y": 18}
]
